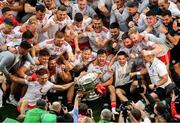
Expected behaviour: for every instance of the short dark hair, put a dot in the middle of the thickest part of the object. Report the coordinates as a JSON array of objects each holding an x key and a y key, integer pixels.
[
  {"x": 27, "y": 35},
  {"x": 40, "y": 8},
  {"x": 151, "y": 13},
  {"x": 125, "y": 35},
  {"x": 101, "y": 51},
  {"x": 8, "y": 21},
  {"x": 166, "y": 12},
  {"x": 136, "y": 114},
  {"x": 41, "y": 103},
  {"x": 52, "y": 57},
  {"x": 42, "y": 72},
  {"x": 62, "y": 8},
  {"x": 122, "y": 53},
  {"x": 5, "y": 9},
  {"x": 83, "y": 109},
  {"x": 131, "y": 4},
  {"x": 86, "y": 48},
  {"x": 160, "y": 107},
  {"x": 59, "y": 34},
  {"x": 114, "y": 25},
  {"x": 44, "y": 52},
  {"x": 25, "y": 45},
  {"x": 96, "y": 17},
  {"x": 78, "y": 17}
]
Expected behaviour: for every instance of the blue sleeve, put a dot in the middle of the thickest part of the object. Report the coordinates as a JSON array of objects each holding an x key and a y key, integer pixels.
[{"x": 75, "y": 115}]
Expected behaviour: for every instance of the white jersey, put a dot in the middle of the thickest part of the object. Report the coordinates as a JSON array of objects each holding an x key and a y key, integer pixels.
[
  {"x": 79, "y": 63},
  {"x": 41, "y": 36},
  {"x": 57, "y": 25},
  {"x": 55, "y": 50},
  {"x": 5, "y": 38},
  {"x": 100, "y": 70},
  {"x": 95, "y": 37},
  {"x": 35, "y": 91},
  {"x": 156, "y": 70},
  {"x": 81, "y": 29},
  {"x": 27, "y": 64}
]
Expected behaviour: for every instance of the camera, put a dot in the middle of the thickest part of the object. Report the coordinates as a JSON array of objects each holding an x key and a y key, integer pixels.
[{"x": 124, "y": 108}]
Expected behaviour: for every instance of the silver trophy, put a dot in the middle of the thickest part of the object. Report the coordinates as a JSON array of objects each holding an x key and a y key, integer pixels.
[{"x": 87, "y": 84}]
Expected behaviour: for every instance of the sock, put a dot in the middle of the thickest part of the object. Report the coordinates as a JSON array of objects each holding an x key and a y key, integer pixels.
[
  {"x": 69, "y": 101},
  {"x": 113, "y": 105},
  {"x": 11, "y": 96}
]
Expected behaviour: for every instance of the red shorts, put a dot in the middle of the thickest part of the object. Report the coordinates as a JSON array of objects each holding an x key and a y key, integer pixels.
[
  {"x": 165, "y": 58},
  {"x": 29, "y": 107}
]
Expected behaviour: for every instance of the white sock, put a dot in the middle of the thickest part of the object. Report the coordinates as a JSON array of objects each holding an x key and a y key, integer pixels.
[
  {"x": 113, "y": 109},
  {"x": 1, "y": 94},
  {"x": 11, "y": 96}
]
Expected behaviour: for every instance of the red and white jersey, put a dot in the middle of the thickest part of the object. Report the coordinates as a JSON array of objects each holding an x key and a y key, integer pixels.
[
  {"x": 35, "y": 91},
  {"x": 100, "y": 70},
  {"x": 79, "y": 61},
  {"x": 41, "y": 35},
  {"x": 55, "y": 50},
  {"x": 95, "y": 37},
  {"x": 57, "y": 25},
  {"x": 27, "y": 64}
]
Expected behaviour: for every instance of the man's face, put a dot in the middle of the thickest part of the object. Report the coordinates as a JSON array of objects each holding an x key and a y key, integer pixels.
[
  {"x": 43, "y": 59},
  {"x": 114, "y": 32},
  {"x": 86, "y": 54},
  {"x": 23, "y": 51},
  {"x": 163, "y": 6},
  {"x": 148, "y": 58},
  {"x": 7, "y": 29},
  {"x": 97, "y": 25},
  {"x": 48, "y": 3},
  {"x": 135, "y": 38},
  {"x": 119, "y": 3},
  {"x": 82, "y": 4},
  {"x": 122, "y": 59},
  {"x": 61, "y": 15},
  {"x": 52, "y": 64},
  {"x": 40, "y": 15},
  {"x": 43, "y": 79},
  {"x": 166, "y": 19},
  {"x": 59, "y": 41},
  {"x": 128, "y": 43},
  {"x": 132, "y": 10},
  {"x": 101, "y": 58},
  {"x": 151, "y": 20},
  {"x": 8, "y": 14},
  {"x": 78, "y": 24}
]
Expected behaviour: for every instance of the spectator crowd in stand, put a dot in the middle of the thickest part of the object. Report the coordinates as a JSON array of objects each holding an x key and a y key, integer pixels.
[{"x": 132, "y": 45}]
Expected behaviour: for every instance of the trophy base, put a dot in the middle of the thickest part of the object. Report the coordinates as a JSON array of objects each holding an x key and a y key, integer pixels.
[{"x": 91, "y": 96}]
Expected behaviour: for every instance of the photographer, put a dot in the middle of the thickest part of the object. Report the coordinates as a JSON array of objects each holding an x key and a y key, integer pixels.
[
  {"x": 54, "y": 114},
  {"x": 106, "y": 116},
  {"x": 135, "y": 115},
  {"x": 161, "y": 113}
]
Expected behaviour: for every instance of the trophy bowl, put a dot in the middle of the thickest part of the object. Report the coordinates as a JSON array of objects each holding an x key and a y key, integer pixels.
[{"x": 87, "y": 84}]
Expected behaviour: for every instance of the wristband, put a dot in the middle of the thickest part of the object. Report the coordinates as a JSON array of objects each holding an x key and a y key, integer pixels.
[
  {"x": 25, "y": 76},
  {"x": 138, "y": 73}
]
